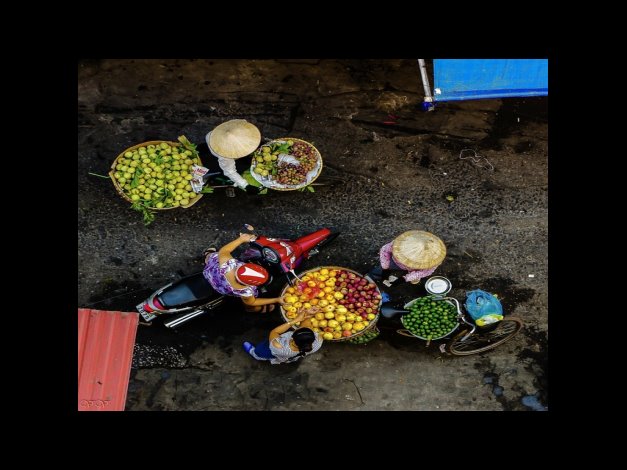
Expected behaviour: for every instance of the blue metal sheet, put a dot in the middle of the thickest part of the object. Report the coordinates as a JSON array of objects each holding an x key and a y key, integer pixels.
[{"x": 472, "y": 79}]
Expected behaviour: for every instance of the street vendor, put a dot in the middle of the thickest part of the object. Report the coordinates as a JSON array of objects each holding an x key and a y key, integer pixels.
[
  {"x": 229, "y": 276},
  {"x": 284, "y": 345},
  {"x": 229, "y": 143},
  {"x": 415, "y": 251}
]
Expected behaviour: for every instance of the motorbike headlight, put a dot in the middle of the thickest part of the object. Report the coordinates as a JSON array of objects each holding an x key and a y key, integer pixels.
[{"x": 270, "y": 255}]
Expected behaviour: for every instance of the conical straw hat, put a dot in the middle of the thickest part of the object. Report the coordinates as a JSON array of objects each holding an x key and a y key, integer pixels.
[
  {"x": 416, "y": 249},
  {"x": 235, "y": 138}
]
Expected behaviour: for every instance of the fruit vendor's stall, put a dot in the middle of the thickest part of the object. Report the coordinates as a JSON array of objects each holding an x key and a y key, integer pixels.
[
  {"x": 286, "y": 164},
  {"x": 430, "y": 318},
  {"x": 349, "y": 303},
  {"x": 158, "y": 175}
]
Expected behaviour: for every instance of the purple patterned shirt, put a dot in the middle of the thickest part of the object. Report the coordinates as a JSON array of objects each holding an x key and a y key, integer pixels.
[{"x": 216, "y": 275}]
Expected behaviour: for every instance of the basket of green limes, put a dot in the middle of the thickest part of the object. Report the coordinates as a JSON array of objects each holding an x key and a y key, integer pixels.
[{"x": 430, "y": 318}]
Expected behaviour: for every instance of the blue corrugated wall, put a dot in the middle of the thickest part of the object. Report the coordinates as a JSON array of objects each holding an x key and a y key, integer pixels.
[{"x": 471, "y": 79}]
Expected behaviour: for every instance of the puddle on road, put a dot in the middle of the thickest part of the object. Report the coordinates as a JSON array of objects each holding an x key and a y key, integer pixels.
[
  {"x": 490, "y": 378},
  {"x": 531, "y": 401}
]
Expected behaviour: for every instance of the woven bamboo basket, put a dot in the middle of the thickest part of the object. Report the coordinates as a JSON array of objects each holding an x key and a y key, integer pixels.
[
  {"x": 372, "y": 322},
  {"x": 302, "y": 185},
  {"x": 119, "y": 188}
]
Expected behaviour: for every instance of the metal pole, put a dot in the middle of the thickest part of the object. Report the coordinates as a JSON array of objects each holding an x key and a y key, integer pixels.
[{"x": 425, "y": 81}]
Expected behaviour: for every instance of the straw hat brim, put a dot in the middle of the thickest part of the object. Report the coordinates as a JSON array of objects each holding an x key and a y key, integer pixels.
[
  {"x": 416, "y": 249},
  {"x": 236, "y": 138}
]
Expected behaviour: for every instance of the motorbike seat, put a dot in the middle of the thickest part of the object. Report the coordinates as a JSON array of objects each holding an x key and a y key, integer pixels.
[{"x": 189, "y": 290}]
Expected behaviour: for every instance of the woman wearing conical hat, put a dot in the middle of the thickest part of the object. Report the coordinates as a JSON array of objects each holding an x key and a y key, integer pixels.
[
  {"x": 415, "y": 251},
  {"x": 229, "y": 142}
]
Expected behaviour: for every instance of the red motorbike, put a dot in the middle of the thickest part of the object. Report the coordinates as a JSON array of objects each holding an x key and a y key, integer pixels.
[{"x": 193, "y": 296}]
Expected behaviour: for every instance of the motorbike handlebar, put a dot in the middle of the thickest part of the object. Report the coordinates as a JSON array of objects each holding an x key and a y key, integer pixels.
[{"x": 249, "y": 229}]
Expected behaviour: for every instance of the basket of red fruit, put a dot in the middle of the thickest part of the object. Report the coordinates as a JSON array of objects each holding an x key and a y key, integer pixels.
[{"x": 286, "y": 164}]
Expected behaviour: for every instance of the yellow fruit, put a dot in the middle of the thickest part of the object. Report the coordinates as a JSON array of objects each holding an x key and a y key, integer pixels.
[
  {"x": 329, "y": 283},
  {"x": 322, "y": 323},
  {"x": 321, "y": 294},
  {"x": 329, "y": 315},
  {"x": 323, "y": 303},
  {"x": 329, "y": 308},
  {"x": 328, "y": 289},
  {"x": 330, "y": 298},
  {"x": 319, "y": 316},
  {"x": 332, "y": 323},
  {"x": 337, "y": 334},
  {"x": 347, "y": 326},
  {"x": 338, "y": 295},
  {"x": 341, "y": 309},
  {"x": 291, "y": 290},
  {"x": 298, "y": 304},
  {"x": 324, "y": 271},
  {"x": 359, "y": 326},
  {"x": 307, "y": 305},
  {"x": 328, "y": 335},
  {"x": 371, "y": 316},
  {"x": 314, "y": 322},
  {"x": 340, "y": 318}
]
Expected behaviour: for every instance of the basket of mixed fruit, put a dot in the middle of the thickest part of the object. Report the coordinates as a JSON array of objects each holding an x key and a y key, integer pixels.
[
  {"x": 286, "y": 164},
  {"x": 348, "y": 303}
]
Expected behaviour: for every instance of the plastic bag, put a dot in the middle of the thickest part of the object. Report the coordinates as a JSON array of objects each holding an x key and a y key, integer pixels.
[{"x": 483, "y": 307}]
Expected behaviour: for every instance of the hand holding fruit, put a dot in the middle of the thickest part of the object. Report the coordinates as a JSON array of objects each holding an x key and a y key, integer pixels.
[
  {"x": 300, "y": 317},
  {"x": 306, "y": 313}
]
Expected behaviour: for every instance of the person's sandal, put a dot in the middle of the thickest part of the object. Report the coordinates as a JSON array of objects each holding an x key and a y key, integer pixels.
[{"x": 247, "y": 346}]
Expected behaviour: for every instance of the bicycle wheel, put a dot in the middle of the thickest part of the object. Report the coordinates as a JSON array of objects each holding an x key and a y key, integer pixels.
[{"x": 484, "y": 341}]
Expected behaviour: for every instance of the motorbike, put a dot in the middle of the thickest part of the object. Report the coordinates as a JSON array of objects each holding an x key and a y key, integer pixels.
[{"x": 193, "y": 296}]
